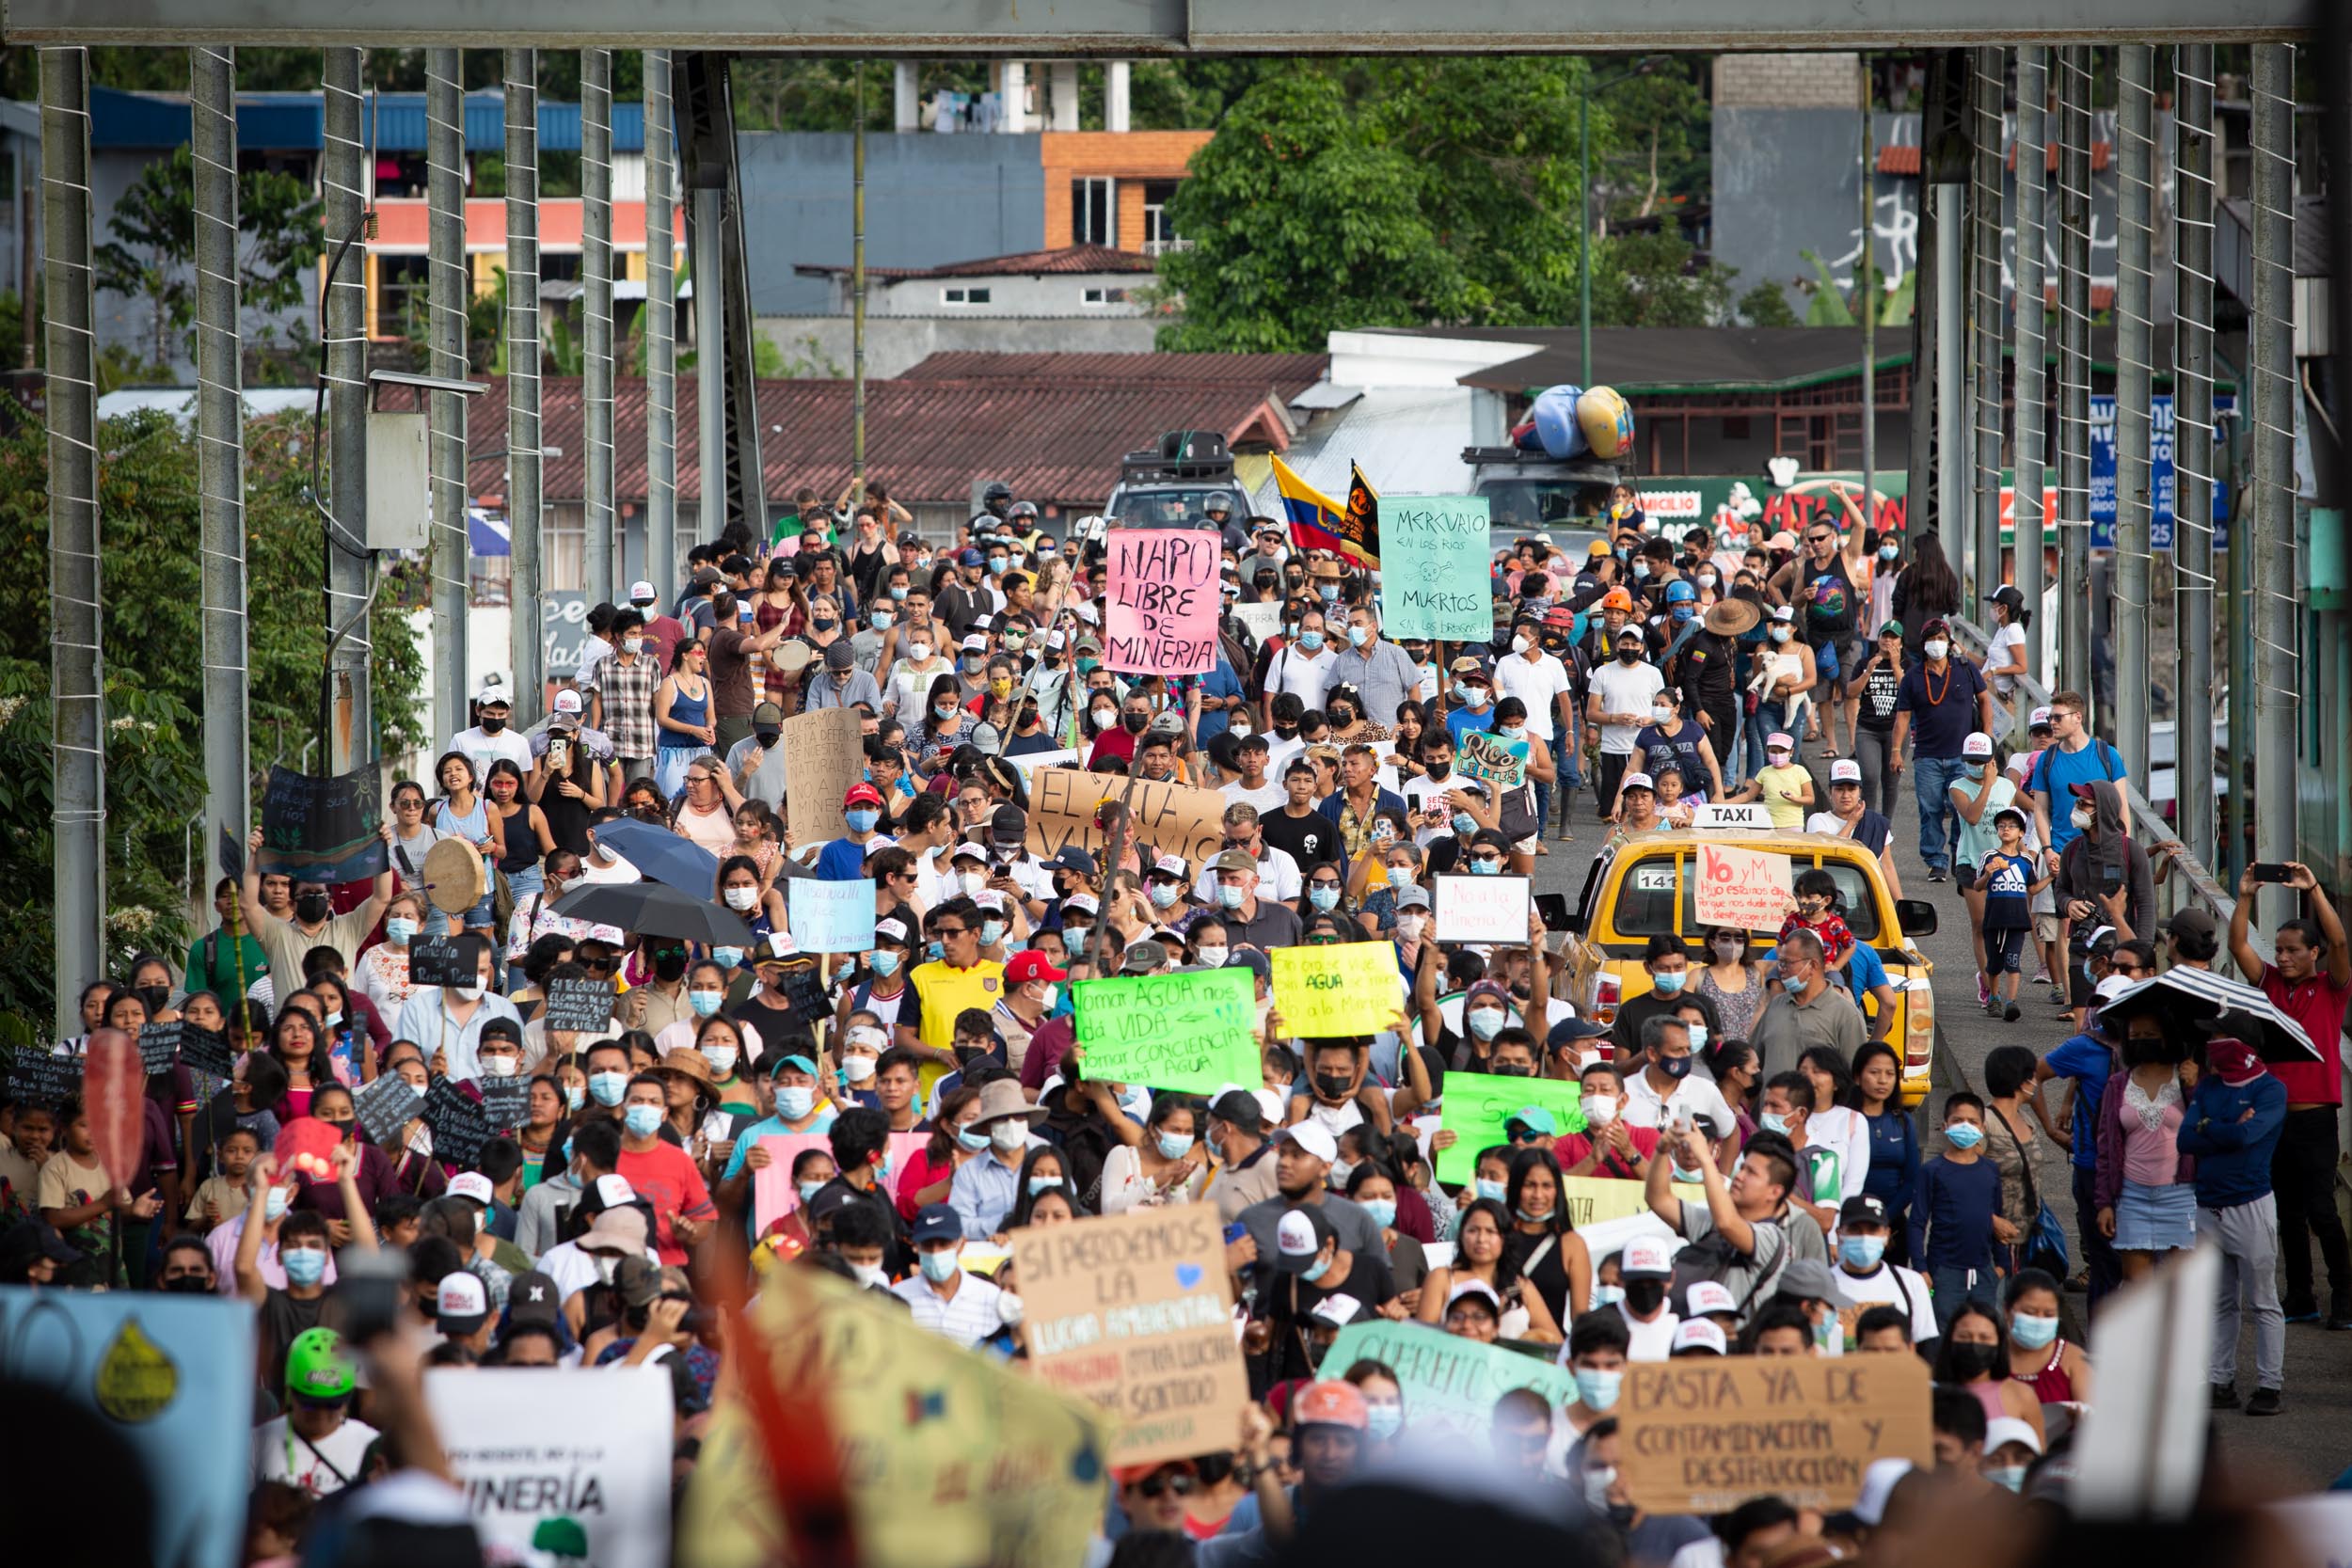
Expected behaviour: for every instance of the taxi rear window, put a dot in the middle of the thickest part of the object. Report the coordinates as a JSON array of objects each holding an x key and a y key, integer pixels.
[{"x": 1657, "y": 888}]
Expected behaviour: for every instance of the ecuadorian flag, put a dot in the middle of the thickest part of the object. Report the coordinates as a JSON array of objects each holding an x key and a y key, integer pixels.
[{"x": 1315, "y": 519}]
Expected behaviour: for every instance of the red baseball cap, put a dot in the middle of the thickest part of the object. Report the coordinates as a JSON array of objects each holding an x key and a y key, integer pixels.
[
  {"x": 865, "y": 792},
  {"x": 1030, "y": 964}
]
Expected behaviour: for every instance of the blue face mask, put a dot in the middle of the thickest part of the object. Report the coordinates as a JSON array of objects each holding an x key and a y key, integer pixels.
[
  {"x": 1382, "y": 1209},
  {"x": 1464, "y": 824},
  {"x": 886, "y": 962},
  {"x": 1668, "y": 980},
  {"x": 1772, "y": 1121},
  {"x": 1862, "y": 1251},
  {"x": 1323, "y": 896},
  {"x": 1384, "y": 1420},
  {"x": 1174, "y": 1145},
  {"x": 726, "y": 958},
  {"x": 1963, "y": 1134},
  {"x": 937, "y": 950},
  {"x": 976, "y": 1142},
  {"x": 1316, "y": 1269},
  {"x": 1598, "y": 1390},
  {"x": 1608, "y": 1295},
  {"x": 897, "y": 590},
  {"x": 808, "y": 1190},
  {"x": 1485, "y": 868},
  {"x": 1330, "y": 593},
  {"x": 862, "y": 821},
  {"x": 2031, "y": 1332},
  {"x": 1490, "y": 1191},
  {"x": 795, "y": 1103},
  {"x": 705, "y": 1003},
  {"x": 1310, "y": 641},
  {"x": 643, "y": 1121},
  {"x": 939, "y": 1267},
  {"x": 304, "y": 1265},
  {"x": 1699, "y": 1037},
  {"x": 607, "y": 1088},
  {"x": 1040, "y": 1186},
  {"x": 1229, "y": 898}
]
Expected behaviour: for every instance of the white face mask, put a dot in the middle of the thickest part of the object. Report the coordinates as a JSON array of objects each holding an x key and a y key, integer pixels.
[
  {"x": 471, "y": 993},
  {"x": 1408, "y": 927},
  {"x": 2082, "y": 816},
  {"x": 1214, "y": 957},
  {"x": 720, "y": 1057},
  {"x": 919, "y": 652},
  {"x": 742, "y": 898},
  {"x": 857, "y": 1069},
  {"x": 1599, "y": 1109},
  {"x": 1519, "y": 645},
  {"x": 500, "y": 1066},
  {"x": 974, "y": 882},
  {"x": 1935, "y": 647}
]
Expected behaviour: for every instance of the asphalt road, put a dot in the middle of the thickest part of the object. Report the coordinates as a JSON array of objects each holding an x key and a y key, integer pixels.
[{"x": 2302, "y": 1448}]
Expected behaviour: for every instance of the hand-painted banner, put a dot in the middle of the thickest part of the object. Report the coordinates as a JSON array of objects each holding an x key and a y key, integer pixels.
[
  {"x": 1483, "y": 909},
  {"x": 324, "y": 829},
  {"x": 1434, "y": 579},
  {"x": 1187, "y": 1032},
  {"x": 1449, "y": 1383},
  {"x": 1350, "y": 988},
  {"x": 1492, "y": 760},
  {"x": 1476, "y": 1104},
  {"x": 1705, "y": 1434},
  {"x": 831, "y": 917},
  {"x": 1163, "y": 602},
  {"x": 1174, "y": 819},
  {"x": 533, "y": 1444},
  {"x": 1745, "y": 890}
]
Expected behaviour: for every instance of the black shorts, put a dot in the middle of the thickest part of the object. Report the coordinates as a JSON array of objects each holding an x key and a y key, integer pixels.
[
  {"x": 2003, "y": 951},
  {"x": 1964, "y": 879}
]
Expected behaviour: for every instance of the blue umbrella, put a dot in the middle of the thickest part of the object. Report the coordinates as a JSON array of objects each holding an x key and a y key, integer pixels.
[{"x": 670, "y": 859}]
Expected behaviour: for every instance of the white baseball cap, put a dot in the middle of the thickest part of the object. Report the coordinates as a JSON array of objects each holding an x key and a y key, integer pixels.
[
  {"x": 1638, "y": 781},
  {"x": 1779, "y": 740},
  {"x": 1645, "y": 1258},
  {"x": 1698, "y": 1333},
  {"x": 568, "y": 701},
  {"x": 460, "y": 1305},
  {"x": 2009, "y": 1428},
  {"x": 642, "y": 592},
  {"x": 1314, "y": 1139},
  {"x": 1844, "y": 771},
  {"x": 1170, "y": 865},
  {"x": 1703, "y": 1296},
  {"x": 472, "y": 1184},
  {"x": 1979, "y": 744}
]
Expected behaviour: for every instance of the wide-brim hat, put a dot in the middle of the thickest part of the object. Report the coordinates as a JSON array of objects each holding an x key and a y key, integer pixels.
[
  {"x": 1730, "y": 617},
  {"x": 1001, "y": 1099}
]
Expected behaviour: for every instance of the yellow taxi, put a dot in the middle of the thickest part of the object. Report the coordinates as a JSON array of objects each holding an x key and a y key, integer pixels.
[{"x": 1648, "y": 885}]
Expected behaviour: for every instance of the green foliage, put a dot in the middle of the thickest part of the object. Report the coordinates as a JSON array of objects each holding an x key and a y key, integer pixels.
[
  {"x": 153, "y": 253},
  {"x": 1657, "y": 279},
  {"x": 147, "y": 503},
  {"x": 1766, "y": 306}
]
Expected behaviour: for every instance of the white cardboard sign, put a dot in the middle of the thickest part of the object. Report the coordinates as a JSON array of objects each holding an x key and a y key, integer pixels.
[
  {"x": 591, "y": 1445},
  {"x": 1483, "y": 909}
]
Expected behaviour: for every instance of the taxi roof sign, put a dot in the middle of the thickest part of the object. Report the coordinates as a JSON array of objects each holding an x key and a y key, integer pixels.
[{"x": 1749, "y": 817}]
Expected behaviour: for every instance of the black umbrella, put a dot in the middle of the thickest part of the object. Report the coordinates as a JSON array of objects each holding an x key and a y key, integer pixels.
[
  {"x": 2213, "y": 1004},
  {"x": 653, "y": 910}
]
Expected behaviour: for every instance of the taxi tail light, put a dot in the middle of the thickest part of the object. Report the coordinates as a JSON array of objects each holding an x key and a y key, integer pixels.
[{"x": 1919, "y": 1045}]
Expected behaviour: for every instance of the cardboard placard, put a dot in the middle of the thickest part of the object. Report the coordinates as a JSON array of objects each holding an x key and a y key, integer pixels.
[
  {"x": 1491, "y": 759},
  {"x": 1476, "y": 1104},
  {"x": 1748, "y": 890},
  {"x": 1174, "y": 819},
  {"x": 171, "y": 1377},
  {"x": 385, "y": 1105},
  {"x": 1188, "y": 1032},
  {"x": 1450, "y": 1383},
  {"x": 1027, "y": 766},
  {"x": 1161, "y": 605},
  {"x": 1706, "y": 1434},
  {"x": 831, "y": 917},
  {"x": 823, "y": 756},
  {"x": 324, "y": 829},
  {"x": 39, "y": 1076},
  {"x": 505, "y": 1101},
  {"x": 772, "y": 1193},
  {"x": 1134, "y": 1313},
  {"x": 159, "y": 1046},
  {"x": 951, "y": 1458},
  {"x": 459, "y": 1128},
  {"x": 1261, "y": 620},
  {"x": 578, "y": 1007},
  {"x": 1350, "y": 988},
  {"x": 205, "y": 1051},
  {"x": 1483, "y": 909},
  {"x": 441, "y": 962},
  {"x": 1434, "y": 567},
  {"x": 804, "y": 991},
  {"x": 587, "y": 1443}
]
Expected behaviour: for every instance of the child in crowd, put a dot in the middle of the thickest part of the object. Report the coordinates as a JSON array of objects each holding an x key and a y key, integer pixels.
[
  {"x": 1782, "y": 784},
  {"x": 1816, "y": 911},
  {"x": 1953, "y": 1212},
  {"x": 2009, "y": 880},
  {"x": 222, "y": 1195}
]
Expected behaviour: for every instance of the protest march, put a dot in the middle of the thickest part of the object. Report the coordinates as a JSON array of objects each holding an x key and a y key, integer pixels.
[{"x": 1253, "y": 1042}]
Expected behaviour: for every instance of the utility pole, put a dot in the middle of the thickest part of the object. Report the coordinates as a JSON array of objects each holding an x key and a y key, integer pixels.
[
  {"x": 522, "y": 375},
  {"x": 1867, "y": 297},
  {"x": 660, "y": 327},
  {"x": 2192, "y": 445},
  {"x": 350, "y": 737},
  {"x": 2074, "y": 368},
  {"x": 77, "y": 667},
  {"x": 2031, "y": 392},
  {"x": 857, "y": 289},
  {"x": 2277, "y": 704},
  {"x": 2135, "y": 186},
  {"x": 1984, "y": 315},
  {"x": 220, "y": 456},
  {"x": 449, "y": 288},
  {"x": 596, "y": 392}
]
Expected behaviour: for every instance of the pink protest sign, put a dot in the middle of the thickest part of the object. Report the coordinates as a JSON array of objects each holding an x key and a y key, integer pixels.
[
  {"x": 772, "y": 1193},
  {"x": 1745, "y": 890},
  {"x": 1163, "y": 602}
]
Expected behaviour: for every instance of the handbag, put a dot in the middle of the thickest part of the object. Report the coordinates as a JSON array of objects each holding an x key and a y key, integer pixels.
[{"x": 2043, "y": 1246}]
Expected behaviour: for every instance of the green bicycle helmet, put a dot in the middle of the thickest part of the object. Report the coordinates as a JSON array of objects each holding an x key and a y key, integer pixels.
[{"x": 318, "y": 1366}]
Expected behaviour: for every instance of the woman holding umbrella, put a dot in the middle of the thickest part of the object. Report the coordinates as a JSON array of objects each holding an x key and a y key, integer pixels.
[{"x": 2145, "y": 1187}]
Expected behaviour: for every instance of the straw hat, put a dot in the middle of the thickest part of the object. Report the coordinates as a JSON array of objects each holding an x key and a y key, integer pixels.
[{"x": 1730, "y": 617}]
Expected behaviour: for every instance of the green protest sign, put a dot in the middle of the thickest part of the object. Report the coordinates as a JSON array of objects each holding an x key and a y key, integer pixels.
[
  {"x": 1476, "y": 1105},
  {"x": 1449, "y": 1382},
  {"x": 1189, "y": 1032},
  {"x": 1434, "y": 567}
]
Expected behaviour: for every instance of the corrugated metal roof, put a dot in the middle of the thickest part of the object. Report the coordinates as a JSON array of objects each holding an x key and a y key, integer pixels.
[
  {"x": 1288, "y": 374},
  {"x": 927, "y": 440},
  {"x": 283, "y": 121}
]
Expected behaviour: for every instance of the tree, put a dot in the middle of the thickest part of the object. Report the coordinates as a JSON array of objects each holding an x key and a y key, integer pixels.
[
  {"x": 1766, "y": 306},
  {"x": 1657, "y": 279},
  {"x": 147, "y": 506},
  {"x": 152, "y": 254}
]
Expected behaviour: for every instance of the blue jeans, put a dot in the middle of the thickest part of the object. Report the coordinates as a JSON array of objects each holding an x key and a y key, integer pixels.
[
  {"x": 1953, "y": 1288},
  {"x": 1543, "y": 808},
  {"x": 1931, "y": 781},
  {"x": 1569, "y": 754}
]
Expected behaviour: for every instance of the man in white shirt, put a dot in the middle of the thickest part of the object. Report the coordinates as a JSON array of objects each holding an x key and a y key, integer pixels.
[
  {"x": 1646, "y": 1267},
  {"x": 1617, "y": 699},
  {"x": 447, "y": 1022},
  {"x": 1303, "y": 668},
  {"x": 1667, "y": 1083},
  {"x": 1254, "y": 754},
  {"x": 1277, "y": 873},
  {"x": 950, "y": 1303},
  {"x": 1534, "y": 677},
  {"x": 1864, "y": 1276},
  {"x": 490, "y": 739}
]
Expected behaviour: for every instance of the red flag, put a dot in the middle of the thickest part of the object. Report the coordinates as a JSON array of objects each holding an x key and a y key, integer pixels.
[{"x": 114, "y": 1094}]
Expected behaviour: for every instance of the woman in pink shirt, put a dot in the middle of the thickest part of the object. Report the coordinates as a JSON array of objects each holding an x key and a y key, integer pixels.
[{"x": 2144, "y": 1186}]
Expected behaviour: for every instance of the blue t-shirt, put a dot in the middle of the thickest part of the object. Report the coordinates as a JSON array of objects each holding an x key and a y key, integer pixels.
[
  {"x": 2057, "y": 771},
  {"x": 1220, "y": 682},
  {"x": 843, "y": 860},
  {"x": 2089, "y": 1065},
  {"x": 1943, "y": 707},
  {"x": 2008, "y": 883},
  {"x": 1463, "y": 721},
  {"x": 1864, "y": 972},
  {"x": 1951, "y": 1217}
]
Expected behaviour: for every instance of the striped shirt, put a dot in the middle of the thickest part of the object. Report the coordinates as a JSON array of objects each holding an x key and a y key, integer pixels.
[{"x": 975, "y": 1311}]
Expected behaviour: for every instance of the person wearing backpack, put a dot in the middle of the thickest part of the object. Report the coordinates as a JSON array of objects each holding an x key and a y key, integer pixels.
[
  {"x": 2073, "y": 756},
  {"x": 1737, "y": 1236}
]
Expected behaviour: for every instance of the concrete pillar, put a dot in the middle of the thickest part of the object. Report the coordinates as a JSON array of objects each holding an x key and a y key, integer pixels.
[
  {"x": 2031, "y": 447},
  {"x": 595, "y": 177},
  {"x": 350, "y": 570},
  {"x": 1012, "y": 89},
  {"x": 1115, "y": 88},
  {"x": 2193, "y": 557},
  {"x": 220, "y": 455},
  {"x": 2074, "y": 227},
  {"x": 1065, "y": 82},
  {"x": 661, "y": 551},
  {"x": 523, "y": 507},
  {"x": 2135, "y": 166},
  {"x": 906, "y": 105},
  {"x": 2277, "y": 600},
  {"x": 449, "y": 288}
]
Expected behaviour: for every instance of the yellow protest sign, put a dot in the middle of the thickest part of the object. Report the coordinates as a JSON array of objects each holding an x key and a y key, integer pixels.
[
  {"x": 1133, "y": 1312},
  {"x": 1706, "y": 1434},
  {"x": 1350, "y": 988},
  {"x": 949, "y": 1459},
  {"x": 1745, "y": 890}
]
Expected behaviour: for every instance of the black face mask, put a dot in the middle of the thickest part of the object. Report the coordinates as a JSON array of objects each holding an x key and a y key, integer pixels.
[
  {"x": 492, "y": 726},
  {"x": 154, "y": 996},
  {"x": 1439, "y": 768},
  {"x": 1133, "y": 723},
  {"x": 768, "y": 737},
  {"x": 1970, "y": 1362},
  {"x": 189, "y": 1285},
  {"x": 1287, "y": 732},
  {"x": 1645, "y": 1295},
  {"x": 311, "y": 907},
  {"x": 669, "y": 966},
  {"x": 1513, "y": 1070},
  {"x": 1628, "y": 654},
  {"x": 1333, "y": 1085},
  {"x": 1342, "y": 716}
]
